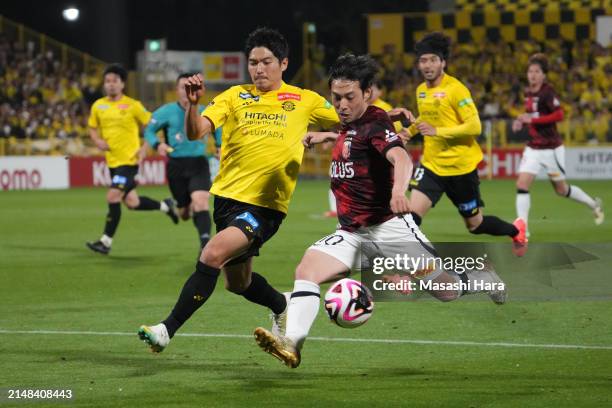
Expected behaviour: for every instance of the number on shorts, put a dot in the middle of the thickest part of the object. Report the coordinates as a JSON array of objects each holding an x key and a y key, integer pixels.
[
  {"x": 333, "y": 239},
  {"x": 419, "y": 173}
]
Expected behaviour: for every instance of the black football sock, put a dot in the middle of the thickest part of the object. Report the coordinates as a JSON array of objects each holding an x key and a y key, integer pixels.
[
  {"x": 260, "y": 292},
  {"x": 195, "y": 293},
  {"x": 201, "y": 220},
  {"x": 112, "y": 219},
  {"x": 147, "y": 204},
  {"x": 494, "y": 226}
]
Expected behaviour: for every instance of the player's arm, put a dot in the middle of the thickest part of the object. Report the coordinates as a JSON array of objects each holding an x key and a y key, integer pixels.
[
  {"x": 314, "y": 138},
  {"x": 196, "y": 126},
  {"x": 471, "y": 127},
  {"x": 97, "y": 139},
  {"x": 93, "y": 124},
  {"x": 553, "y": 105},
  {"x": 402, "y": 171},
  {"x": 156, "y": 124}
]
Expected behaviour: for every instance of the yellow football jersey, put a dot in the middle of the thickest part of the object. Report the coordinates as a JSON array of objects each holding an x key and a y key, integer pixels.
[
  {"x": 261, "y": 149},
  {"x": 379, "y": 103},
  {"x": 445, "y": 107},
  {"x": 118, "y": 123}
]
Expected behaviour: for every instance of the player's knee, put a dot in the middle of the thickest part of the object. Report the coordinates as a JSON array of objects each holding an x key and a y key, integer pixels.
[
  {"x": 562, "y": 190},
  {"x": 131, "y": 203},
  {"x": 213, "y": 255},
  {"x": 473, "y": 227},
  {"x": 199, "y": 205},
  {"x": 113, "y": 196},
  {"x": 305, "y": 272}
]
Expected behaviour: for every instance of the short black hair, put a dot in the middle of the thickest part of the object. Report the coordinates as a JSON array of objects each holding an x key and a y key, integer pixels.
[
  {"x": 541, "y": 60},
  {"x": 269, "y": 38},
  {"x": 361, "y": 68},
  {"x": 434, "y": 43},
  {"x": 185, "y": 75},
  {"x": 116, "y": 69}
]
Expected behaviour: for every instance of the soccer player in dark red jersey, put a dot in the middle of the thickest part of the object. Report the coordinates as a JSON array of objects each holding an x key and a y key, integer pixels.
[
  {"x": 370, "y": 174},
  {"x": 545, "y": 147}
]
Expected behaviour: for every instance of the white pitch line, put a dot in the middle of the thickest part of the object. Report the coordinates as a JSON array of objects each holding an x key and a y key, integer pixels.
[{"x": 338, "y": 339}]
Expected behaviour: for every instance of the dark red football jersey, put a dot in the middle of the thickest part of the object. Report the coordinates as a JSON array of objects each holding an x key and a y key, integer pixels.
[
  {"x": 545, "y": 111},
  {"x": 361, "y": 176}
]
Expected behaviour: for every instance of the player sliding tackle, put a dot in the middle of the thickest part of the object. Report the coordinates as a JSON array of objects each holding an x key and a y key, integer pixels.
[{"x": 370, "y": 175}]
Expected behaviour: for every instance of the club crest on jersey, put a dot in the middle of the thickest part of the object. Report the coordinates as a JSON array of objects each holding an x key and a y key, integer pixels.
[
  {"x": 123, "y": 106},
  {"x": 346, "y": 147},
  {"x": 248, "y": 95},
  {"x": 288, "y": 106},
  {"x": 439, "y": 94}
]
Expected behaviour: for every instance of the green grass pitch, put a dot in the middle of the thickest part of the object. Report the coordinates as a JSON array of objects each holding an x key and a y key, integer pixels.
[{"x": 68, "y": 317}]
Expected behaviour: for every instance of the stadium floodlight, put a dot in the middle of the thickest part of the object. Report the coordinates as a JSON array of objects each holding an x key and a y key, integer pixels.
[
  {"x": 155, "y": 45},
  {"x": 71, "y": 14}
]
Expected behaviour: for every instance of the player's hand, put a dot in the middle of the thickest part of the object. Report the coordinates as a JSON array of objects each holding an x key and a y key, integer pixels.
[
  {"x": 404, "y": 135},
  {"x": 524, "y": 118},
  {"x": 426, "y": 129},
  {"x": 399, "y": 203},
  {"x": 402, "y": 115},
  {"x": 313, "y": 138},
  {"x": 102, "y": 145},
  {"x": 517, "y": 125},
  {"x": 194, "y": 88},
  {"x": 163, "y": 149}
]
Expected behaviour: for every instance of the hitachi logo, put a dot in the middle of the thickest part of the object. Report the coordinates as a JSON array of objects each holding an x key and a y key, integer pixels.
[{"x": 265, "y": 116}]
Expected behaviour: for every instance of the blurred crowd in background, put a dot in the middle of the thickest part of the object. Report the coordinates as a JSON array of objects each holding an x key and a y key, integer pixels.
[{"x": 47, "y": 104}]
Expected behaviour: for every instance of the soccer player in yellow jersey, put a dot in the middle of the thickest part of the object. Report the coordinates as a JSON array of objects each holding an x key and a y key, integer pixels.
[
  {"x": 114, "y": 123},
  {"x": 449, "y": 122},
  {"x": 261, "y": 152}
]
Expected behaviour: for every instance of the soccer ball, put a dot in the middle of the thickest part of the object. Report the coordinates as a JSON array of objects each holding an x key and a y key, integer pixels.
[{"x": 349, "y": 303}]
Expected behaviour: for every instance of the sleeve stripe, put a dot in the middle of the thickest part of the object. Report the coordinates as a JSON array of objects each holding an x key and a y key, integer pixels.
[{"x": 465, "y": 102}]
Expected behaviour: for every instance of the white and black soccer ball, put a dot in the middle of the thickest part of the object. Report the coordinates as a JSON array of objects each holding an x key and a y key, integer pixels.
[{"x": 349, "y": 303}]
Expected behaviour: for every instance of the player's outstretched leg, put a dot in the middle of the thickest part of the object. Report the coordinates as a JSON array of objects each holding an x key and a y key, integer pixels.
[
  {"x": 316, "y": 267},
  {"x": 142, "y": 203},
  {"x": 194, "y": 294}
]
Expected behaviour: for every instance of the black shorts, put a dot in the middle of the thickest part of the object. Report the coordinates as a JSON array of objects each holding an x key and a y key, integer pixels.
[
  {"x": 256, "y": 222},
  {"x": 124, "y": 178},
  {"x": 463, "y": 190},
  {"x": 186, "y": 175}
]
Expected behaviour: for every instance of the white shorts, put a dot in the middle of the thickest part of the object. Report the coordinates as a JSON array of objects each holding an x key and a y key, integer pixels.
[
  {"x": 553, "y": 161},
  {"x": 347, "y": 246}
]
